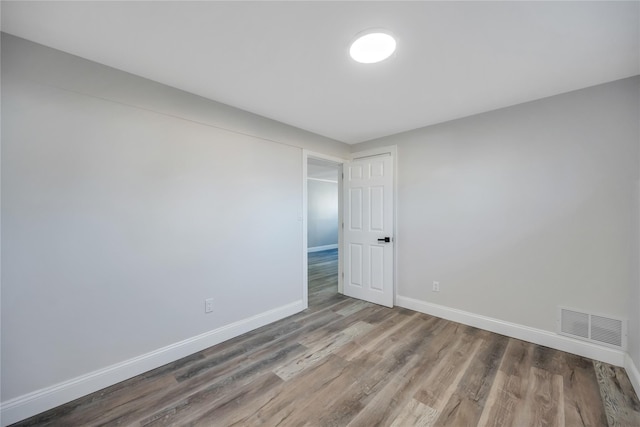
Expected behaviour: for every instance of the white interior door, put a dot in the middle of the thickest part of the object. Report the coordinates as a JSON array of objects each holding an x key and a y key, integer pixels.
[{"x": 368, "y": 229}]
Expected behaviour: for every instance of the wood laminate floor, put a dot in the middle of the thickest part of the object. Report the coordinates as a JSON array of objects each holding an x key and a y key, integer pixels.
[{"x": 344, "y": 362}]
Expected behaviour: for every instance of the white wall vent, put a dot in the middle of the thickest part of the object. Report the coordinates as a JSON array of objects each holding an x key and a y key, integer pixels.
[{"x": 603, "y": 330}]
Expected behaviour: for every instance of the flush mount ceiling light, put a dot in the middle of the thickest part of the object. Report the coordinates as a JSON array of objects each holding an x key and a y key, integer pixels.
[{"x": 372, "y": 46}]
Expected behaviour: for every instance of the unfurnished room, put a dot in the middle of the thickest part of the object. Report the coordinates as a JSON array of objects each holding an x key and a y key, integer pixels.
[{"x": 320, "y": 213}]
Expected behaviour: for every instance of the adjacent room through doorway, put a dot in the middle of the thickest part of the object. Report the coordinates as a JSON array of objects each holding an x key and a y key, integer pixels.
[{"x": 323, "y": 218}]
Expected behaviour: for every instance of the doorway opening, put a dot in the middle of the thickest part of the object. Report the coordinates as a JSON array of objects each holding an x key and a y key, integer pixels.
[
  {"x": 367, "y": 226},
  {"x": 323, "y": 229}
]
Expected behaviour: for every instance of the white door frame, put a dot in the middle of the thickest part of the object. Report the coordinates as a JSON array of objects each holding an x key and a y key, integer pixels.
[
  {"x": 306, "y": 155},
  {"x": 393, "y": 151}
]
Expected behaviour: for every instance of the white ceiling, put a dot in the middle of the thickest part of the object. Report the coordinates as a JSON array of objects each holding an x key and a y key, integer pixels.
[{"x": 289, "y": 60}]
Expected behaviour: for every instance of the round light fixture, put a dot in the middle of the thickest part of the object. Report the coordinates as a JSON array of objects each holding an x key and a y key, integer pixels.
[{"x": 373, "y": 46}]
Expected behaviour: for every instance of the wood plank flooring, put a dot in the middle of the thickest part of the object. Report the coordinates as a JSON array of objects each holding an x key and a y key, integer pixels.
[{"x": 344, "y": 362}]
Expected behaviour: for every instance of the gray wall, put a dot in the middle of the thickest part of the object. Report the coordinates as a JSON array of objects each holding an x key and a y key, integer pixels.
[
  {"x": 322, "y": 224},
  {"x": 125, "y": 204},
  {"x": 522, "y": 209}
]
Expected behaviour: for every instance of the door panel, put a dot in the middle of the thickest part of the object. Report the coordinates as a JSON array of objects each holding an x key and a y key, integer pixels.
[
  {"x": 355, "y": 203},
  {"x": 377, "y": 268},
  {"x": 368, "y": 272},
  {"x": 377, "y": 209}
]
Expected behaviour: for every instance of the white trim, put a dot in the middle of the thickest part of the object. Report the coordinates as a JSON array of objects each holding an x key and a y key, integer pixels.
[
  {"x": 340, "y": 229},
  {"x": 305, "y": 226},
  {"x": 632, "y": 373},
  {"x": 320, "y": 156},
  {"x": 396, "y": 233},
  {"x": 322, "y": 248},
  {"x": 391, "y": 150},
  {"x": 33, "y": 403},
  {"x": 525, "y": 333},
  {"x": 333, "y": 181},
  {"x": 306, "y": 155}
]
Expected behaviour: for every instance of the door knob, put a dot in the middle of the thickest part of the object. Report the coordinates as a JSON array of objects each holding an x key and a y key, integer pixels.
[{"x": 384, "y": 240}]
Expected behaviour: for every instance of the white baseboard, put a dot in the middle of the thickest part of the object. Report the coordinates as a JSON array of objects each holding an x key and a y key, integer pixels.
[
  {"x": 322, "y": 248},
  {"x": 41, "y": 400},
  {"x": 514, "y": 330},
  {"x": 632, "y": 373}
]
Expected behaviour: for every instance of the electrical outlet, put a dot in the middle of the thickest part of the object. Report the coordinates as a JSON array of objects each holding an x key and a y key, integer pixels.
[
  {"x": 436, "y": 287},
  {"x": 208, "y": 305}
]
